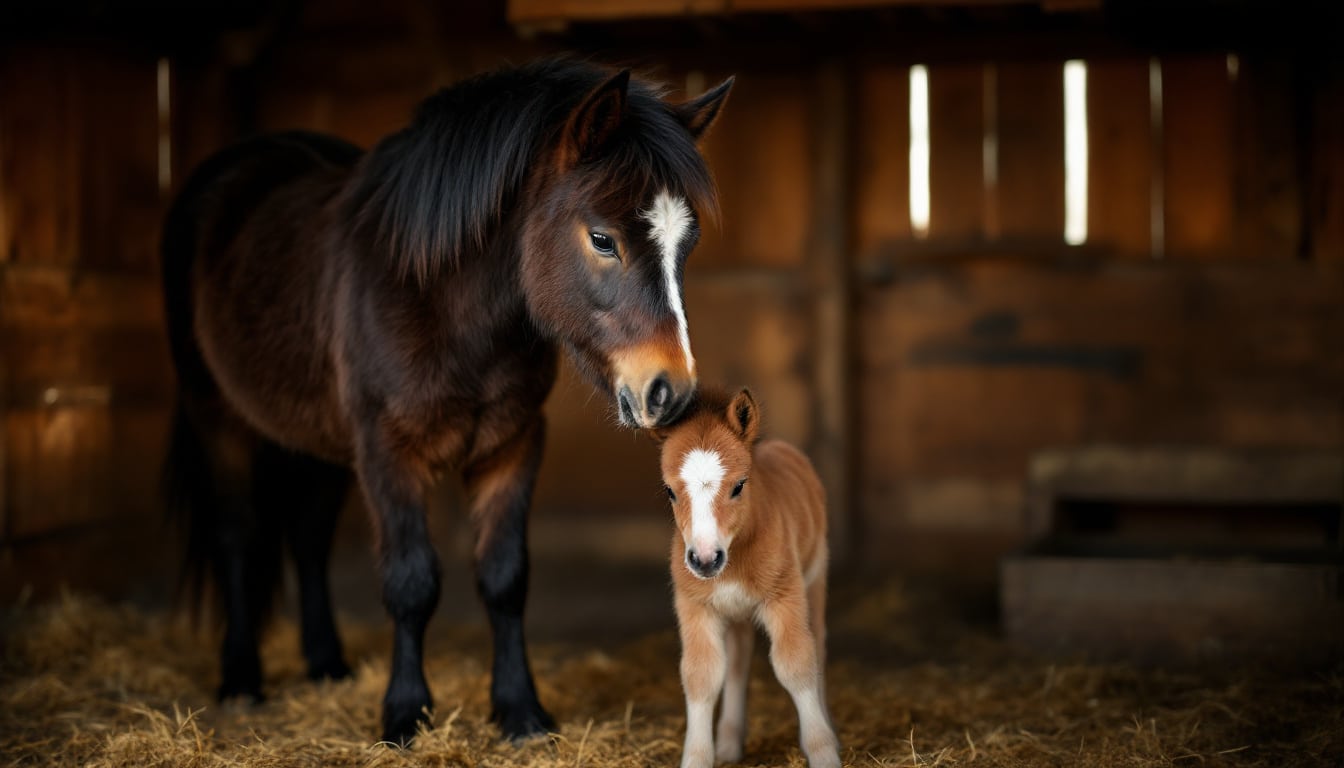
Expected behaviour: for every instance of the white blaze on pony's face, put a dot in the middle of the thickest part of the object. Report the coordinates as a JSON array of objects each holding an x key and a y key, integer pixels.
[{"x": 670, "y": 221}]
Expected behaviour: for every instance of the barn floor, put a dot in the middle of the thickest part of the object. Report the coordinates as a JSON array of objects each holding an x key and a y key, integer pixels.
[{"x": 917, "y": 677}]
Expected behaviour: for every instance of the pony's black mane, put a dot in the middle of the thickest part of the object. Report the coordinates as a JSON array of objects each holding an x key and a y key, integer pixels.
[{"x": 426, "y": 195}]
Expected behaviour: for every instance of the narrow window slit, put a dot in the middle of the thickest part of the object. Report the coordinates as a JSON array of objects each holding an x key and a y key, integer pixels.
[
  {"x": 919, "y": 151},
  {"x": 1075, "y": 152}
]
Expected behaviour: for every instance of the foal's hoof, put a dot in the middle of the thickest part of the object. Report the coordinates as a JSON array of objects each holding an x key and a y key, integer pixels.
[{"x": 520, "y": 722}]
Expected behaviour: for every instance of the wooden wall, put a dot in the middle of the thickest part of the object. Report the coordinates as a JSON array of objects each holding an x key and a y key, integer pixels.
[{"x": 922, "y": 372}]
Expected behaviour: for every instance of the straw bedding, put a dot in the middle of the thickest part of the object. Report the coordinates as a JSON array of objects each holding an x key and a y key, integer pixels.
[{"x": 91, "y": 684}]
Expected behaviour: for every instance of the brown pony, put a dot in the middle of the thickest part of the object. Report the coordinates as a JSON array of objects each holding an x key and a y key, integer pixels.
[
  {"x": 336, "y": 315},
  {"x": 750, "y": 547}
]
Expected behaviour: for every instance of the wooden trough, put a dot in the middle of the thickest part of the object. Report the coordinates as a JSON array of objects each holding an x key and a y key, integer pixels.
[{"x": 1168, "y": 555}]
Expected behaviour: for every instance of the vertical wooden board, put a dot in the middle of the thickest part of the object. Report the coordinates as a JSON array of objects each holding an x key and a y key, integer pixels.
[
  {"x": 882, "y": 161},
  {"x": 956, "y": 141},
  {"x": 760, "y": 155},
  {"x": 118, "y": 144},
  {"x": 1031, "y": 150},
  {"x": 1268, "y": 219},
  {"x": 1326, "y": 190},
  {"x": 1120, "y": 156},
  {"x": 40, "y": 179},
  {"x": 1199, "y": 134},
  {"x": 56, "y": 475}
]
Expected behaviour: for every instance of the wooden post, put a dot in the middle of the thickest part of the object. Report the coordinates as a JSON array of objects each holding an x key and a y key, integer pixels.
[{"x": 832, "y": 287}]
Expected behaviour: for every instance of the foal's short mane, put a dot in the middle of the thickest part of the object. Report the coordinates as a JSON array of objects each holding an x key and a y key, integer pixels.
[{"x": 426, "y": 195}]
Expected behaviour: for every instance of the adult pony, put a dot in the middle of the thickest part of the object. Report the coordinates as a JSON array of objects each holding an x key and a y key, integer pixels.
[{"x": 385, "y": 316}]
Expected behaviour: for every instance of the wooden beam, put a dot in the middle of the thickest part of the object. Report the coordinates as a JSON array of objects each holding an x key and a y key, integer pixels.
[{"x": 829, "y": 267}]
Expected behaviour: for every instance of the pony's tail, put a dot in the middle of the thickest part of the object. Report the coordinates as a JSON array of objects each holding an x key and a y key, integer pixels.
[{"x": 191, "y": 507}]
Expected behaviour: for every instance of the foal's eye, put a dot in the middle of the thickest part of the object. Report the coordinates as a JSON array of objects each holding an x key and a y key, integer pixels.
[
  {"x": 603, "y": 243},
  {"x": 670, "y": 495},
  {"x": 737, "y": 489}
]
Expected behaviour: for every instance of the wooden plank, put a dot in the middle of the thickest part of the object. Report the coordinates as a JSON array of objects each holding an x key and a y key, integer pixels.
[
  {"x": 1120, "y": 159},
  {"x": 831, "y": 283},
  {"x": 956, "y": 134},
  {"x": 1199, "y": 134},
  {"x": 121, "y": 206},
  {"x": 41, "y": 119},
  {"x": 1188, "y": 610},
  {"x": 1269, "y": 190},
  {"x": 759, "y": 153},
  {"x": 1325, "y": 205},
  {"x": 882, "y": 167},
  {"x": 1031, "y": 150},
  {"x": 1164, "y": 474}
]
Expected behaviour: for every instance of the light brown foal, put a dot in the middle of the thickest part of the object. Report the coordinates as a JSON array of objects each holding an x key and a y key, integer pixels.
[{"x": 750, "y": 547}]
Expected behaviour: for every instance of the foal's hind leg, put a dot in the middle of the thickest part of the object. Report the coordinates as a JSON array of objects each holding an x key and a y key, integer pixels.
[
  {"x": 793, "y": 653},
  {"x": 308, "y": 493},
  {"x": 501, "y": 491}
]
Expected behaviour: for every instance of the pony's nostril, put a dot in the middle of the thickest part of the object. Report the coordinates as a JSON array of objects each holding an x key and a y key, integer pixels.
[
  {"x": 719, "y": 556},
  {"x": 660, "y": 396},
  {"x": 627, "y": 409}
]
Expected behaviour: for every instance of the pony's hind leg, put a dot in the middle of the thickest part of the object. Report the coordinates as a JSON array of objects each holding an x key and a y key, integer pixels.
[
  {"x": 731, "y": 736},
  {"x": 307, "y": 494},
  {"x": 246, "y": 558},
  {"x": 500, "y": 488}
]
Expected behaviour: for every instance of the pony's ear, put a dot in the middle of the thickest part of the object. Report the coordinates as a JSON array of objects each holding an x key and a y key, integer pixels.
[
  {"x": 744, "y": 417},
  {"x": 699, "y": 113},
  {"x": 595, "y": 119}
]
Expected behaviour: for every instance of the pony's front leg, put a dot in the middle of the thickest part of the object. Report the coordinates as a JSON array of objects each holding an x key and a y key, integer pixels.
[
  {"x": 703, "y": 665},
  {"x": 410, "y": 575},
  {"x": 500, "y": 487},
  {"x": 793, "y": 654}
]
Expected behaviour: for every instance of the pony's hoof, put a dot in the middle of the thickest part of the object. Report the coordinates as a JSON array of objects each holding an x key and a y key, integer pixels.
[
  {"x": 518, "y": 723},
  {"x": 335, "y": 669},
  {"x": 239, "y": 693},
  {"x": 400, "y": 730}
]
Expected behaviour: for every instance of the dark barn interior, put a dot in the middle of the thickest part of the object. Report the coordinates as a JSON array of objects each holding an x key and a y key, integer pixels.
[{"x": 1051, "y": 292}]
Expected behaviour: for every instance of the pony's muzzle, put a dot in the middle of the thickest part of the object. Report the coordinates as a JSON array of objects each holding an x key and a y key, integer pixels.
[
  {"x": 706, "y": 565},
  {"x": 658, "y": 403}
]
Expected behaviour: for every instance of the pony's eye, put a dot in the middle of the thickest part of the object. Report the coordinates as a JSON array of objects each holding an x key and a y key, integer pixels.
[
  {"x": 737, "y": 489},
  {"x": 670, "y": 495},
  {"x": 603, "y": 243}
]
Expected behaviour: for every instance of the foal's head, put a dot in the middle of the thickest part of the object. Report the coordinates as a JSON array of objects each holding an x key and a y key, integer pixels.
[
  {"x": 608, "y": 226},
  {"x": 706, "y": 462}
]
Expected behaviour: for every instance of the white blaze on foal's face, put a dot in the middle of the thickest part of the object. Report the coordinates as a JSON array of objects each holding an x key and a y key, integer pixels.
[{"x": 702, "y": 476}]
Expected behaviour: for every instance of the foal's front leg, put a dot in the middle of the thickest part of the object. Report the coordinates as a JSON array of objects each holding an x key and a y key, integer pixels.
[
  {"x": 731, "y": 736},
  {"x": 410, "y": 573},
  {"x": 793, "y": 653},
  {"x": 703, "y": 665},
  {"x": 501, "y": 492}
]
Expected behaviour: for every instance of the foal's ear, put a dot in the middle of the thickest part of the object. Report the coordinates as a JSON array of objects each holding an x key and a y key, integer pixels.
[
  {"x": 595, "y": 119},
  {"x": 743, "y": 416},
  {"x": 699, "y": 113}
]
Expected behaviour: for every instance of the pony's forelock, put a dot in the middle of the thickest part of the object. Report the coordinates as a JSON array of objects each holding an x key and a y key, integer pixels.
[{"x": 439, "y": 188}]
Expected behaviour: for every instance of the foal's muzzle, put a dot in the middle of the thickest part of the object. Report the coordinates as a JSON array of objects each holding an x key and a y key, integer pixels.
[{"x": 706, "y": 565}]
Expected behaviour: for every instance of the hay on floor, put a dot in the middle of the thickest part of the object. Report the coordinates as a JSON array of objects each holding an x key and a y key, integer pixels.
[{"x": 90, "y": 684}]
